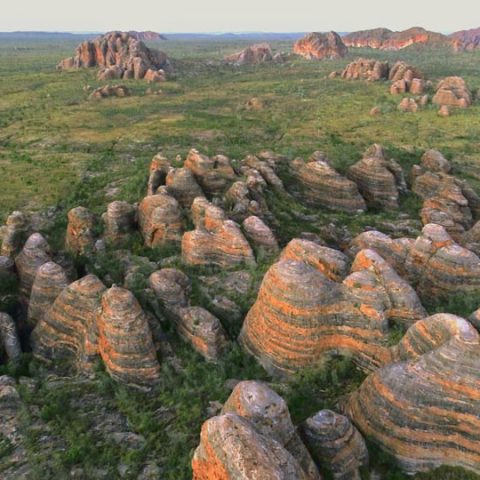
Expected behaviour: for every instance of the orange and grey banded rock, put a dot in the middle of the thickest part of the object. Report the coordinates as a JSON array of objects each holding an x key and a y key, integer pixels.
[
  {"x": 366, "y": 69},
  {"x": 203, "y": 331},
  {"x": 182, "y": 185},
  {"x": 119, "y": 220},
  {"x": 318, "y": 46},
  {"x": 266, "y": 167},
  {"x": 159, "y": 168},
  {"x": 49, "y": 282},
  {"x": 231, "y": 448},
  {"x": 34, "y": 254},
  {"x": 215, "y": 240},
  {"x": 160, "y": 220},
  {"x": 242, "y": 204},
  {"x": 332, "y": 263},
  {"x": 453, "y": 92},
  {"x": 259, "y": 234},
  {"x": 325, "y": 187},
  {"x": 68, "y": 330},
  {"x": 125, "y": 339},
  {"x": 379, "y": 180},
  {"x": 80, "y": 239},
  {"x": 10, "y": 349},
  {"x": 471, "y": 239},
  {"x": 268, "y": 412},
  {"x": 434, "y": 161},
  {"x": 424, "y": 409},
  {"x": 15, "y": 233},
  {"x": 171, "y": 286},
  {"x": 213, "y": 174},
  {"x": 403, "y": 71},
  {"x": 336, "y": 444}
]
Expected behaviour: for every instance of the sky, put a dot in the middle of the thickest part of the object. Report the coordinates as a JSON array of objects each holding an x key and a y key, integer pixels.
[{"x": 169, "y": 16}]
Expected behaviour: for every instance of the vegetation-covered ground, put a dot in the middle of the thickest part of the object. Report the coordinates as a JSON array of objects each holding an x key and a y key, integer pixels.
[{"x": 59, "y": 150}]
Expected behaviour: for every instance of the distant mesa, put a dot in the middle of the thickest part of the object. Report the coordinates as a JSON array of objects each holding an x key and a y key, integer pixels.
[
  {"x": 385, "y": 39},
  {"x": 120, "y": 55},
  {"x": 318, "y": 46},
  {"x": 467, "y": 39}
]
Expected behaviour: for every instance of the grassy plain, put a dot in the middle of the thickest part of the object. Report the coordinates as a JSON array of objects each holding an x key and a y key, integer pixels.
[{"x": 58, "y": 149}]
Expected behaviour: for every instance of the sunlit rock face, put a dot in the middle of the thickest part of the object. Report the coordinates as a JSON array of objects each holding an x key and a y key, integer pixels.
[{"x": 318, "y": 46}]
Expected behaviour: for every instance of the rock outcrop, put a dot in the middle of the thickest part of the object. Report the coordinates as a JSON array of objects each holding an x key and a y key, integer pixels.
[
  {"x": 49, "y": 282},
  {"x": 268, "y": 412},
  {"x": 318, "y": 46},
  {"x": 215, "y": 240},
  {"x": 160, "y": 219},
  {"x": 379, "y": 180},
  {"x": 408, "y": 105},
  {"x": 301, "y": 316},
  {"x": 335, "y": 444},
  {"x": 468, "y": 40},
  {"x": 159, "y": 168},
  {"x": 259, "y": 234},
  {"x": 79, "y": 239},
  {"x": 366, "y": 69},
  {"x": 110, "y": 91},
  {"x": 121, "y": 51},
  {"x": 10, "y": 349},
  {"x": 68, "y": 330},
  {"x": 125, "y": 339},
  {"x": 252, "y": 55},
  {"x": 324, "y": 186},
  {"x": 213, "y": 174},
  {"x": 119, "y": 220},
  {"x": 34, "y": 254},
  {"x": 232, "y": 449},
  {"x": 385, "y": 39},
  {"x": 182, "y": 185},
  {"x": 14, "y": 234},
  {"x": 424, "y": 408},
  {"x": 453, "y": 92}
]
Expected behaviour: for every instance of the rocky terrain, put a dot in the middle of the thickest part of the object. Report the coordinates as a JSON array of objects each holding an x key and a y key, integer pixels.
[{"x": 251, "y": 277}]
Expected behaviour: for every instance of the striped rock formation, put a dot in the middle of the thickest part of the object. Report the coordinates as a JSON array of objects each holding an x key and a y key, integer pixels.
[
  {"x": 265, "y": 163},
  {"x": 159, "y": 168},
  {"x": 125, "y": 339},
  {"x": 215, "y": 240},
  {"x": 434, "y": 161},
  {"x": 366, "y": 69},
  {"x": 335, "y": 444},
  {"x": 471, "y": 239},
  {"x": 379, "y": 180},
  {"x": 243, "y": 203},
  {"x": 213, "y": 174},
  {"x": 453, "y": 91},
  {"x": 80, "y": 239},
  {"x": 14, "y": 234},
  {"x": 259, "y": 234},
  {"x": 119, "y": 220},
  {"x": 203, "y": 331},
  {"x": 7, "y": 266},
  {"x": 10, "y": 349},
  {"x": 318, "y": 46},
  {"x": 231, "y": 448},
  {"x": 424, "y": 409},
  {"x": 252, "y": 55},
  {"x": 323, "y": 186},
  {"x": 160, "y": 219},
  {"x": 332, "y": 263},
  {"x": 172, "y": 287},
  {"x": 268, "y": 413},
  {"x": 49, "y": 282},
  {"x": 34, "y": 254},
  {"x": 182, "y": 185},
  {"x": 301, "y": 317},
  {"x": 68, "y": 330}
]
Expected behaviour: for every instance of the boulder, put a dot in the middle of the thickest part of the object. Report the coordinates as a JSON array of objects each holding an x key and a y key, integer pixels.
[
  {"x": 336, "y": 444},
  {"x": 172, "y": 287},
  {"x": 252, "y": 55},
  {"x": 49, "y": 282},
  {"x": 15, "y": 233},
  {"x": 366, "y": 69},
  {"x": 231, "y": 448},
  {"x": 125, "y": 339},
  {"x": 379, "y": 180},
  {"x": 215, "y": 240},
  {"x": 259, "y": 234},
  {"x": 453, "y": 92},
  {"x": 160, "y": 220},
  {"x": 79, "y": 239},
  {"x": 318, "y": 46},
  {"x": 424, "y": 408},
  {"x": 119, "y": 220},
  {"x": 323, "y": 186},
  {"x": 182, "y": 185},
  {"x": 10, "y": 349},
  {"x": 434, "y": 161},
  {"x": 68, "y": 329},
  {"x": 109, "y": 90},
  {"x": 159, "y": 168},
  {"x": 268, "y": 412},
  {"x": 408, "y": 105}
]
